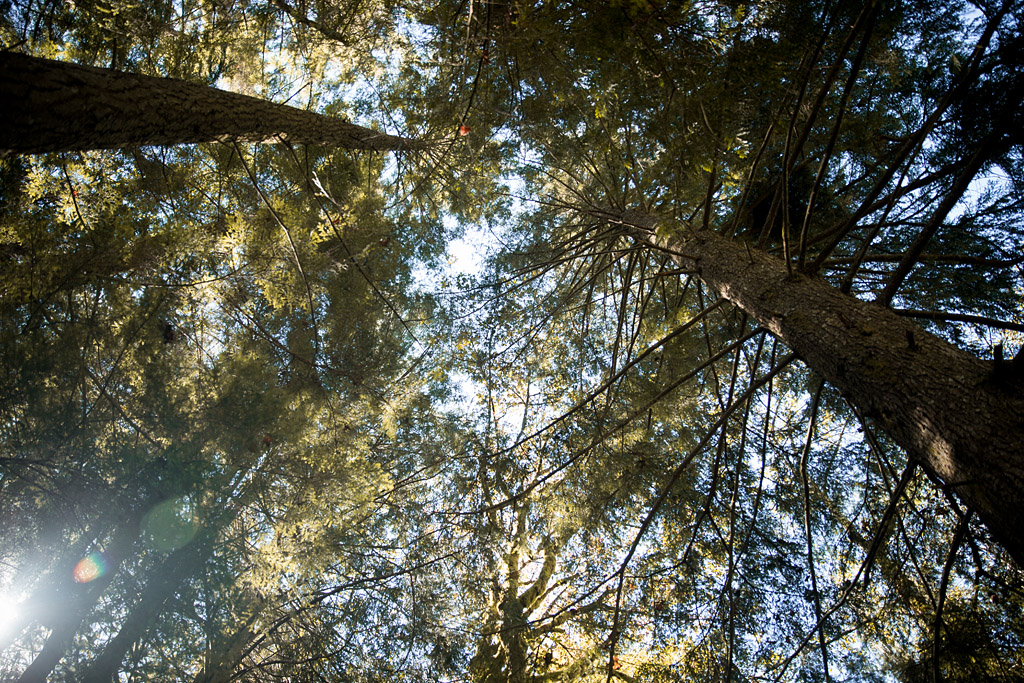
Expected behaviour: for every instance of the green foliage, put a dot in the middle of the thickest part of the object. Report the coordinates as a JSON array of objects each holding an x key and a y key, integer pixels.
[{"x": 243, "y": 379}]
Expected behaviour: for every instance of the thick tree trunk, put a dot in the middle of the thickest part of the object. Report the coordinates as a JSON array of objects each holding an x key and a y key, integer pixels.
[
  {"x": 58, "y": 106},
  {"x": 947, "y": 408}
]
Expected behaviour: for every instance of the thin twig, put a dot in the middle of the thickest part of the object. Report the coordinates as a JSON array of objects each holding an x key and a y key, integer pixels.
[
  {"x": 815, "y": 402},
  {"x": 958, "y": 539}
]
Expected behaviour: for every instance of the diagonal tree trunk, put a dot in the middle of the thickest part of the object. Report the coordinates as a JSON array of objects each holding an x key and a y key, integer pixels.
[
  {"x": 57, "y": 106},
  {"x": 951, "y": 411},
  {"x": 82, "y": 599},
  {"x": 181, "y": 564}
]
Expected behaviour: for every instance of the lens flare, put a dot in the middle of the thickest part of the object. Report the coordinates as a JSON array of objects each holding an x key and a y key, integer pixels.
[
  {"x": 170, "y": 524},
  {"x": 90, "y": 568}
]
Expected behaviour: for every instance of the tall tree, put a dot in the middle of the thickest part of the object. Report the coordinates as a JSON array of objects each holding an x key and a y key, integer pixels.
[
  {"x": 742, "y": 131},
  {"x": 670, "y": 431}
]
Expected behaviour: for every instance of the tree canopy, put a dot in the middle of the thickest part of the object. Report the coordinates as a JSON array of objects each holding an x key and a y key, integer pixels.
[{"x": 504, "y": 341}]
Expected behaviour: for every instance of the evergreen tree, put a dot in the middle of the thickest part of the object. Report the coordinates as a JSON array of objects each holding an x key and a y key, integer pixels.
[{"x": 724, "y": 400}]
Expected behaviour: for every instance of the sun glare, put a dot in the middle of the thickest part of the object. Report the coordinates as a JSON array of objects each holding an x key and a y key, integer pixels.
[{"x": 9, "y": 612}]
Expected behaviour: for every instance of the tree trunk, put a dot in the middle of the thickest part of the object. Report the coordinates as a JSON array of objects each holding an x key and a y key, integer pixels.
[
  {"x": 58, "y": 106},
  {"x": 79, "y": 600},
  {"x": 179, "y": 566},
  {"x": 221, "y": 662},
  {"x": 47, "y": 601},
  {"x": 951, "y": 411}
]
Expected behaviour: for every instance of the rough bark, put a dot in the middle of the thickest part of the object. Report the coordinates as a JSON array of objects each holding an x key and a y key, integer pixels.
[
  {"x": 951, "y": 411},
  {"x": 57, "y": 106}
]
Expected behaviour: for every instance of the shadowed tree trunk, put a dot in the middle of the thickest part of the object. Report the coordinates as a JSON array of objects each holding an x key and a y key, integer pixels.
[
  {"x": 58, "y": 106},
  {"x": 77, "y": 606},
  {"x": 951, "y": 411},
  {"x": 517, "y": 621},
  {"x": 181, "y": 564},
  {"x": 222, "y": 660}
]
